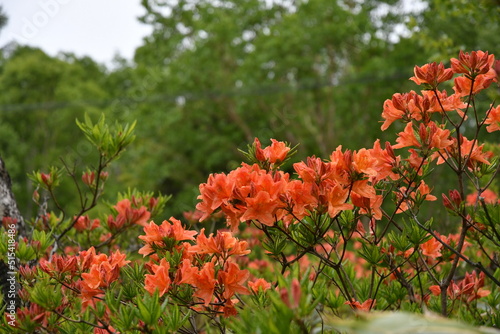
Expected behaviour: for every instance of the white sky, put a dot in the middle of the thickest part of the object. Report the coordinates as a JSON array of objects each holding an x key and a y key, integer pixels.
[{"x": 96, "y": 28}]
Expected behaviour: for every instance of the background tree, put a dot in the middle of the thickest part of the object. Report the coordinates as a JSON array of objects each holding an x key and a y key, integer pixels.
[
  {"x": 214, "y": 75},
  {"x": 220, "y": 74},
  {"x": 41, "y": 98}
]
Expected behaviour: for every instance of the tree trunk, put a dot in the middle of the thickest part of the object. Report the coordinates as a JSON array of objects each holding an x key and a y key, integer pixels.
[
  {"x": 8, "y": 205},
  {"x": 8, "y": 209}
]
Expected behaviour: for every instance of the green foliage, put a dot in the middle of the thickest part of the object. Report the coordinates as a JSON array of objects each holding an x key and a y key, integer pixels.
[{"x": 110, "y": 142}]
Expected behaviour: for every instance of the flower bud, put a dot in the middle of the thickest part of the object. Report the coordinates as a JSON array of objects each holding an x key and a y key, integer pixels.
[
  {"x": 88, "y": 178},
  {"x": 36, "y": 196},
  {"x": 46, "y": 179},
  {"x": 446, "y": 202},
  {"x": 259, "y": 152},
  {"x": 455, "y": 197},
  {"x": 103, "y": 176},
  {"x": 390, "y": 150}
]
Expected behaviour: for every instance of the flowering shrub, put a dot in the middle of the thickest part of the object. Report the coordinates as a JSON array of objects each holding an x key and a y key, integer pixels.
[{"x": 341, "y": 235}]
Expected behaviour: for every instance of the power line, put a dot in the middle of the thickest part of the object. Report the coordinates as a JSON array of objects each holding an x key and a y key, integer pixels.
[{"x": 196, "y": 96}]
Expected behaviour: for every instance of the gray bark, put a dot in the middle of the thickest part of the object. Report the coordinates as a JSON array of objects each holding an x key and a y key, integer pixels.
[
  {"x": 8, "y": 208},
  {"x": 8, "y": 205}
]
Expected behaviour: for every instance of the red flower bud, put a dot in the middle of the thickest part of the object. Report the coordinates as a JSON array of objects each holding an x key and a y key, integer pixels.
[
  {"x": 153, "y": 202},
  {"x": 259, "y": 152},
  {"x": 389, "y": 150},
  {"x": 46, "y": 179},
  {"x": 454, "y": 201},
  {"x": 88, "y": 178},
  {"x": 496, "y": 67},
  {"x": 7, "y": 222},
  {"x": 455, "y": 197},
  {"x": 103, "y": 176},
  {"x": 36, "y": 196}
]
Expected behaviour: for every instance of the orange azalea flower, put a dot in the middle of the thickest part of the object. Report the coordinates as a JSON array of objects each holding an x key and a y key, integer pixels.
[
  {"x": 465, "y": 86},
  {"x": 368, "y": 206},
  {"x": 469, "y": 289},
  {"x": 103, "y": 271},
  {"x": 255, "y": 194},
  {"x": 364, "y": 162},
  {"x": 337, "y": 197},
  {"x": 469, "y": 150},
  {"x": 262, "y": 207},
  {"x": 83, "y": 223},
  {"x": 364, "y": 188},
  {"x": 232, "y": 279},
  {"x": 160, "y": 280},
  {"x": 229, "y": 309},
  {"x": 405, "y": 106},
  {"x": 493, "y": 119},
  {"x": 435, "y": 289},
  {"x": 444, "y": 103},
  {"x": 217, "y": 190},
  {"x": 489, "y": 196},
  {"x": 205, "y": 283},
  {"x": 59, "y": 264},
  {"x": 475, "y": 63},
  {"x": 85, "y": 258},
  {"x": 101, "y": 275},
  {"x": 107, "y": 330},
  {"x": 299, "y": 198},
  {"x": 314, "y": 170},
  {"x": 118, "y": 259},
  {"x": 407, "y": 137},
  {"x": 434, "y": 137},
  {"x": 187, "y": 273},
  {"x": 259, "y": 285},
  {"x": 355, "y": 169},
  {"x": 431, "y": 74},
  {"x": 137, "y": 216},
  {"x": 472, "y": 287},
  {"x": 223, "y": 244},
  {"x": 155, "y": 234},
  {"x": 416, "y": 161},
  {"x": 429, "y": 136},
  {"x": 342, "y": 166},
  {"x": 385, "y": 161},
  {"x": 277, "y": 152},
  {"x": 171, "y": 229},
  {"x": 475, "y": 153},
  {"x": 366, "y": 306},
  {"x": 425, "y": 192},
  {"x": 391, "y": 113},
  {"x": 431, "y": 248}
]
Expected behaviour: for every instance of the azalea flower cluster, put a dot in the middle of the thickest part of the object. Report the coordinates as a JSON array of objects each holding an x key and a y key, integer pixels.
[
  {"x": 469, "y": 288},
  {"x": 97, "y": 272},
  {"x": 267, "y": 196},
  {"x": 206, "y": 265},
  {"x": 85, "y": 276}
]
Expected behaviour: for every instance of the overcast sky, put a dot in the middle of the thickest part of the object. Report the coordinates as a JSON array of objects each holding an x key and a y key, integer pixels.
[{"x": 96, "y": 28}]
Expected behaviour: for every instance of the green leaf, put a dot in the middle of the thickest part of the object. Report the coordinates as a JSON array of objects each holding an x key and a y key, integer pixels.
[{"x": 149, "y": 309}]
